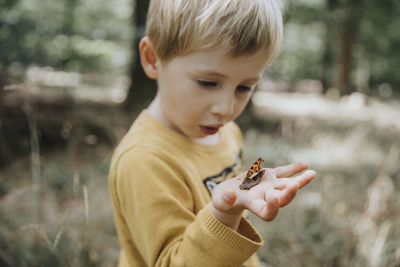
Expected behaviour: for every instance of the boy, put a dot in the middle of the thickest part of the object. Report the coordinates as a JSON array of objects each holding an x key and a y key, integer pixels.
[{"x": 174, "y": 202}]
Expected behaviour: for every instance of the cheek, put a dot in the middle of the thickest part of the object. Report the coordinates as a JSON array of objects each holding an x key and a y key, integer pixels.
[
  {"x": 196, "y": 101},
  {"x": 240, "y": 105},
  {"x": 194, "y": 108},
  {"x": 186, "y": 107}
]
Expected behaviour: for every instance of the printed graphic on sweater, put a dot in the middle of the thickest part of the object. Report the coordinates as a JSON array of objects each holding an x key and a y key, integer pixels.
[{"x": 229, "y": 172}]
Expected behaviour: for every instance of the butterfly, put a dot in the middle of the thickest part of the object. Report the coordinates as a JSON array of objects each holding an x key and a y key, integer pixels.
[{"x": 251, "y": 180}]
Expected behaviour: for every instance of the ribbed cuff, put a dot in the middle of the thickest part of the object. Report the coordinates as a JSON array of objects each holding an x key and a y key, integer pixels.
[{"x": 249, "y": 242}]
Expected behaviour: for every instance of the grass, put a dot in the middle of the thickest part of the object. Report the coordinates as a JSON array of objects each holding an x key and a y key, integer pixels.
[
  {"x": 67, "y": 222},
  {"x": 348, "y": 216}
]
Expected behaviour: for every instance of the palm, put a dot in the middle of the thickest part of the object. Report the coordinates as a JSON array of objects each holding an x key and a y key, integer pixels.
[{"x": 275, "y": 190}]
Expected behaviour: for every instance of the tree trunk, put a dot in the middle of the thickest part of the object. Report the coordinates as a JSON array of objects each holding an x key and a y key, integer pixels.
[
  {"x": 328, "y": 54},
  {"x": 68, "y": 28},
  {"x": 350, "y": 29},
  {"x": 142, "y": 89},
  {"x": 2, "y": 84}
]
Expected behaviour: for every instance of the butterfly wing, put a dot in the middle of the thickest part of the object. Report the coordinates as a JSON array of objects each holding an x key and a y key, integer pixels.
[
  {"x": 250, "y": 182},
  {"x": 254, "y": 168}
]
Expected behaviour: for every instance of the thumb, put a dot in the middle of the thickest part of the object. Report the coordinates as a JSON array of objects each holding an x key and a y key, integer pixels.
[{"x": 225, "y": 200}]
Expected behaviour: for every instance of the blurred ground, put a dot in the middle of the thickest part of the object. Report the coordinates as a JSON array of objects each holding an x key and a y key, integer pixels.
[
  {"x": 349, "y": 215},
  {"x": 56, "y": 210}
]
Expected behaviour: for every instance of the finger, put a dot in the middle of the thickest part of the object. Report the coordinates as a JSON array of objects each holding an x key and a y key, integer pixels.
[
  {"x": 289, "y": 170},
  {"x": 266, "y": 209},
  {"x": 288, "y": 193},
  {"x": 224, "y": 200},
  {"x": 306, "y": 177},
  {"x": 302, "y": 180}
]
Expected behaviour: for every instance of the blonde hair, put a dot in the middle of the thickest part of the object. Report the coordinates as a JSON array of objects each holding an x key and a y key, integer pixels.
[{"x": 178, "y": 27}]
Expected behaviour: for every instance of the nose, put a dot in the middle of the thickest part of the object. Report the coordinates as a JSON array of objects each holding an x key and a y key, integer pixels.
[{"x": 223, "y": 107}]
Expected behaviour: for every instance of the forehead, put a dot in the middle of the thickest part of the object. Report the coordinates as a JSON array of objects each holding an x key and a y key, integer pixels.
[{"x": 219, "y": 63}]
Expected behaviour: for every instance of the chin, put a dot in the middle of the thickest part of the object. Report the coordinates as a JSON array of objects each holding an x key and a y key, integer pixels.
[{"x": 198, "y": 135}]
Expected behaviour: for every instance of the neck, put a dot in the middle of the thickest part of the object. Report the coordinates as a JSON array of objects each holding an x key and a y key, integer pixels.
[{"x": 155, "y": 110}]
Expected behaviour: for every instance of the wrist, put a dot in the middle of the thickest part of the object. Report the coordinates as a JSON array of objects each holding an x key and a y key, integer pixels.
[{"x": 230, "y": 219}]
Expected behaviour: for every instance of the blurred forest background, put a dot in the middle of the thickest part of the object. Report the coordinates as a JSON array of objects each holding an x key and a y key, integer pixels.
[{"x": 70, "y": 86}]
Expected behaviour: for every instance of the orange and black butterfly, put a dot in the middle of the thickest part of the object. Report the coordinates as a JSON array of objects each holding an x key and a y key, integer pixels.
[{"x": 250, "y": 181}]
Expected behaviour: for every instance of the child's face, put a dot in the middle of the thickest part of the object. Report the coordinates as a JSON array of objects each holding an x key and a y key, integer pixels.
[{"x": 202, "y": 91}]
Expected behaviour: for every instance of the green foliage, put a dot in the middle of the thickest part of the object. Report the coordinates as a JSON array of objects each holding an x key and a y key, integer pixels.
[
  {"x": 380, "y": 40},
  {"x": 80, "y": 36},
  {"x": 312, "y": 43},
  {"x": 97, "y": 36}
]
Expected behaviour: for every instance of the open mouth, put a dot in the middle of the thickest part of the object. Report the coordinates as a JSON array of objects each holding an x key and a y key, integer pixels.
[{"x": 209, "y": 129}]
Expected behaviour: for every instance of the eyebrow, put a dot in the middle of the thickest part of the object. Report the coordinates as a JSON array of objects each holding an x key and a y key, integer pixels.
[{"x": 221, "y": 75}]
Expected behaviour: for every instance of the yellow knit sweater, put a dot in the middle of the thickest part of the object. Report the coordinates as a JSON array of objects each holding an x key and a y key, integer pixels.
[{"x": 160, "y": 184}]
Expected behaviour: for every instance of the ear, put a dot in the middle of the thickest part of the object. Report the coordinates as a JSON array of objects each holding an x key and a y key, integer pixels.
[{"x": 148, "y": 57}]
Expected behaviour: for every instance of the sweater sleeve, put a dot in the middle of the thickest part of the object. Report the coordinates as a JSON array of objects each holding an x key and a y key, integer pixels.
[{"x": 157, "y": 209}]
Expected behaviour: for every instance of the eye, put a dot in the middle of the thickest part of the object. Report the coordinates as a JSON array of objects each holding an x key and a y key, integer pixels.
[
  {"x": 243, "y": 89},
  {"x": 204, "y": 83}
]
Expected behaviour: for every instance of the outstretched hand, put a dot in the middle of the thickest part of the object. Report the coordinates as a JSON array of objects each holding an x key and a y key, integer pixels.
[{"x": 277, "y": 188}]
